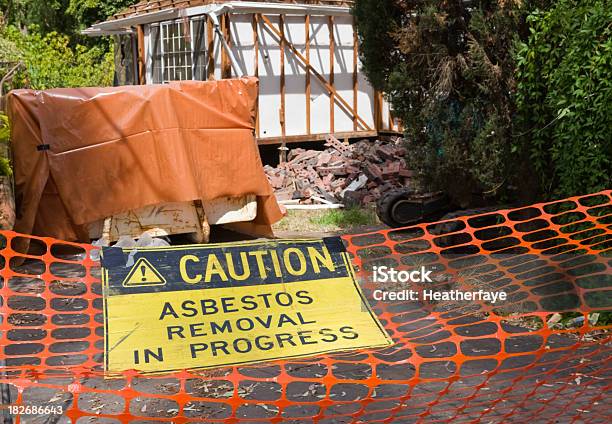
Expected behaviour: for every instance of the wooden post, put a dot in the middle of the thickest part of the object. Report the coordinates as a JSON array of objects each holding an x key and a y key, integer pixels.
[
  {"x": 202, "y": 235},
  {"x": 378, "y": 110},
  {"x": 355, "y": 76},
  {"x": 255, "y": 24},
  {"x": 226, "y": 66},
  {"x": 283, "y": 148},
  {"x": 314, "y": 72},
  {"x": 210, "y": 49},
  {"x": 281, "y": 26},
  {"x": 332, "y": 97},
  {"x": 308, "y": 89},
  {"x": 141, "y": 55}
]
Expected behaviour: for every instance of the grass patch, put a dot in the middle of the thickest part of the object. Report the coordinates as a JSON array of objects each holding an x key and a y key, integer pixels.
[
  {"x": 319, "y": 222},
  {"x": 345, "y": 218}
]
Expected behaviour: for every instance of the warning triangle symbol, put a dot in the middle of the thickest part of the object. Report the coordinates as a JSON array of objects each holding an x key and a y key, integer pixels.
[{"x": 143, "y": 274}]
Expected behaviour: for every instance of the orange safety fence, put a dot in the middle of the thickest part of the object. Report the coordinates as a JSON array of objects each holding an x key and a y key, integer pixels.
[{"x": 515, "y": 361}]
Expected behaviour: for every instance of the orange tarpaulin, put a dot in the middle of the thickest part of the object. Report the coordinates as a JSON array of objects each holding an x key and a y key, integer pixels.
[{"x": 82, "y": 154}]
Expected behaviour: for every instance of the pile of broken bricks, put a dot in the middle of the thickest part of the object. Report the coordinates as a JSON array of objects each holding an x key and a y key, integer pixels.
[{"x": 342, "y": 174}]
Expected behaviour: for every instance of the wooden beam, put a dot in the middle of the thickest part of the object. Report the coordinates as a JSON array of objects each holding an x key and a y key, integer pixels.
[
  {"x": 317, "y": 75},
  {"x": 381, "y": 106},
  {"x": 332, "y": 59},
  {"x": 355, "y": 75},
  {"x": 308, "y": 89},
  {"x": 378, "y": 110},
  {"x": 270, "y": 141},
  {"x": 281, "y": 25},
  {"x": 210, "y": 50},
  {"x": 142, "y": 79},
  {"x": 255, "y": 24},
  {"x": 226, "y": 66}
]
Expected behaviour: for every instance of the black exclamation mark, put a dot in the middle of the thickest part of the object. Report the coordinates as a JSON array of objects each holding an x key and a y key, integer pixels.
[{"x": 143, "y": 269}]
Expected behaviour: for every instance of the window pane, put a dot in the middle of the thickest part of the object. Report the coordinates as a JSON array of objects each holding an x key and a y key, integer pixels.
[
  {"x": 156, "y": 64},
  {"x": 199, "y": 49},
  {"x": 178, "y": 50}
]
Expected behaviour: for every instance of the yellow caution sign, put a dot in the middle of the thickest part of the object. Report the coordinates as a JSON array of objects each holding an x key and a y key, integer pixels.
[
  {"x": 233, "y": 303},
  {"x": 143, "y": 274}
]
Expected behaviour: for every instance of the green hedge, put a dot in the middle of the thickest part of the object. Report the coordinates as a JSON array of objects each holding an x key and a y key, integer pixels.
[
  {"x": 497, "y": 99},
  {"x": 564, "y": 96},
  {"x": 448, "y": 70}
]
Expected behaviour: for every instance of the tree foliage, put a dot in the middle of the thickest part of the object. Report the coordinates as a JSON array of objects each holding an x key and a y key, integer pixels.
[
  {"x": 47, "y": 15},
  {"x": 448, "y": 70},
  {"x": 492, "y": 100},
  {"x": 565, "y": 96},
  {"x": 63, "y": 16},
  {"x": 49, "y": 61},
  {"x": 88, "y": 12},
  {"x": 376, "y": 22},
  {"x": 44, "y": 36}
]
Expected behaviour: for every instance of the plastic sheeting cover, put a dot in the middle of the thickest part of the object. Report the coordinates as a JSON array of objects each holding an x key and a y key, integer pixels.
[{"x": 82, "y": 154}]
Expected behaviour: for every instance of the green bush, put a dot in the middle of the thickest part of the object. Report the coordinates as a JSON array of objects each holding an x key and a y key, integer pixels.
[
  {"x": 448, "y": 70},
  {"x": 49, "y": 61},
  {"x": 564, "y": 96},
  {"x": 497, "y": 99},
  {"x": 5, "y": 134}
]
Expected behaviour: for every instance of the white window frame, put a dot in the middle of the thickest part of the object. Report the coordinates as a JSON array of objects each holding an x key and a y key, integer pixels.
[{"x": 192, "y": 53}]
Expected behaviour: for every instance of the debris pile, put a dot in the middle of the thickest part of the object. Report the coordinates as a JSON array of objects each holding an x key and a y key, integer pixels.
[{"x": 350, "y": 174}]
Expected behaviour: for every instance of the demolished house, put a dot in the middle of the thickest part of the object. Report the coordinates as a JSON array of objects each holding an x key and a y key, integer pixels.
[{"x": 305, "y": 54}]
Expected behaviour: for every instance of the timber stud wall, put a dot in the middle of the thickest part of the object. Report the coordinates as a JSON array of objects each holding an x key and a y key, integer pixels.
[
  {"x": 307, "y": 64},
  {"x": 353, "y": 110}
]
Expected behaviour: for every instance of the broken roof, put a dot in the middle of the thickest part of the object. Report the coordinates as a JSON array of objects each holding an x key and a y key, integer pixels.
[
  {"x": 147, "y": 12},
  {"x": 145, "y": 7}
]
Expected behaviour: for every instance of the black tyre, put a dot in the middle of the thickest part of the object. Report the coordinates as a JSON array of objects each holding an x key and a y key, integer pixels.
[{"x": 395, "y": 209}]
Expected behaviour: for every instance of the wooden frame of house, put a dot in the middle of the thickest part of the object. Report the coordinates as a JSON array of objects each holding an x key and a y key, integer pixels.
[{"x": 305, "y": 54}]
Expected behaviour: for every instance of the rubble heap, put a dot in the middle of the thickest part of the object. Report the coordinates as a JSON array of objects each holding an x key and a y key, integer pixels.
[{"x": 356, "y": 173}]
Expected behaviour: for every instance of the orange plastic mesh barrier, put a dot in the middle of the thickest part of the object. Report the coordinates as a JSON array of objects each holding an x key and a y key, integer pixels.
[{"x": 516, "y": 361}]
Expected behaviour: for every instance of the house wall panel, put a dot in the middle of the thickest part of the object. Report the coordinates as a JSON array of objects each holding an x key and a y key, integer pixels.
[
  {"x": 295, "y": 77},
  {"x": 319, "y": 59},
  {"x": 343, "y": 71},
  {"x": 365, "y": 96},
  {"x": 243, "y": 44},
  {"x": 304, "y": 114},
  {"x": 269, "y": 82}
]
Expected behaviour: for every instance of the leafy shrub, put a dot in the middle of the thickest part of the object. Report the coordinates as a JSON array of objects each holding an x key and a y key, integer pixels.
[
  {"x": 448, "y": 70},
  {"x": 49, "y": 61},
  {"x": 564, "y": 96},
  {"x": 5, "y": 134}
]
